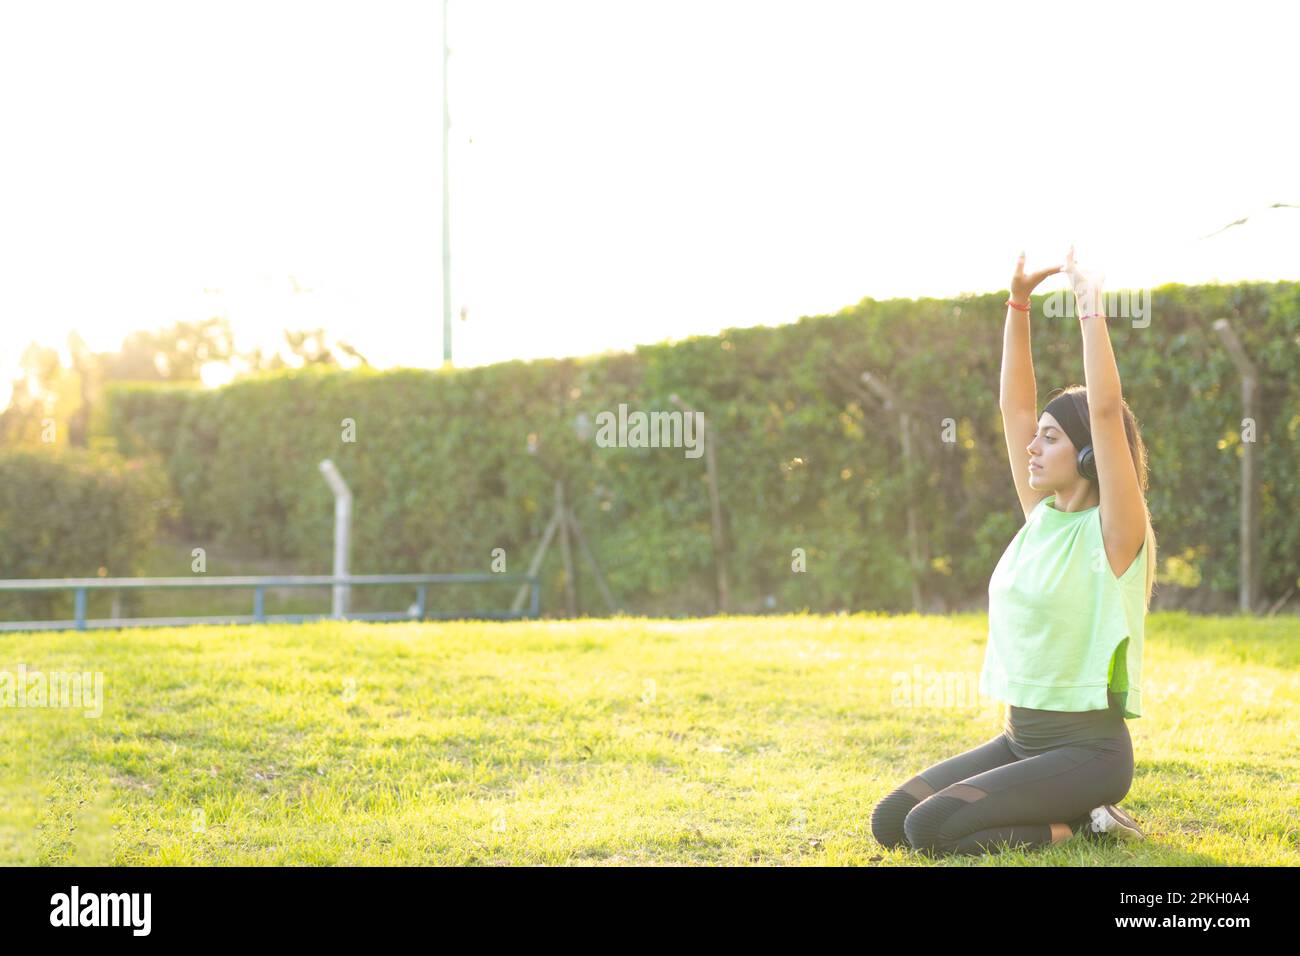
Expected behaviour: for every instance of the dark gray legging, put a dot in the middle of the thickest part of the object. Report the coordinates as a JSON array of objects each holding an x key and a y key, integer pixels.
[{"x": 988, "y": 797}]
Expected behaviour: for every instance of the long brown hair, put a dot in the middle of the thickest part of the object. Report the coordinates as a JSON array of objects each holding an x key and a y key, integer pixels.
[{"x": 1138, "y": 449}]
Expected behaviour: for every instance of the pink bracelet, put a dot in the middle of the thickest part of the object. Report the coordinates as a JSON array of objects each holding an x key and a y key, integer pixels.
[{"x": 1091, "y": 315}]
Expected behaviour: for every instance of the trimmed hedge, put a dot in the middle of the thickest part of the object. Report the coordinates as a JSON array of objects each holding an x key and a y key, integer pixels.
[
  {"x": 74, "y": 514},
  {"x": 442, "y": 471}
]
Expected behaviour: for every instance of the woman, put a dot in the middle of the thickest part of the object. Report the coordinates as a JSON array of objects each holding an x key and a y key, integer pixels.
[{"x": 1067, "y": 608}]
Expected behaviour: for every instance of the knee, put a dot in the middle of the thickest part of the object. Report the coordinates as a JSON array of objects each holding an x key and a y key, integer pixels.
[
  {"x": 1121, "y": 775},
  {"x": 888, "y": 816},
  {"x": 890, "y": 813},
  {"x": 923, "y": 824}
]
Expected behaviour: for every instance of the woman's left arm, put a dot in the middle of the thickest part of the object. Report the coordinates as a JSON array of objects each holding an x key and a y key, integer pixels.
[{"x": 1123, "y": 507}]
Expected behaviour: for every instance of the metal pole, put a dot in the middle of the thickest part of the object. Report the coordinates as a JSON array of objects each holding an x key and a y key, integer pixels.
[
  {"x": 1249, "y": 573},
  {"x": 536, "y": 565},
  {"x": 591, "y": 558},
  {"x": 446, "y": 202},
  {"x": 566, "y": 552},
  {"x": 715, "y": 506},
  {"x": 342, "y": 534}
]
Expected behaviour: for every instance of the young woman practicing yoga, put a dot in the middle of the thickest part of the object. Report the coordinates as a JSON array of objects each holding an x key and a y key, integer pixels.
[{"x": 1067, "y": 607}]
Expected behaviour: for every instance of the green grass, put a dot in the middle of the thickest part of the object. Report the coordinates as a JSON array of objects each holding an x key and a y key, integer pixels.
[{"x": 761, "y": 740}]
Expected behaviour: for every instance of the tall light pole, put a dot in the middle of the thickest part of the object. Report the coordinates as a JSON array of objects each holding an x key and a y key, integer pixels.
[{"x": 446, "y": 203}]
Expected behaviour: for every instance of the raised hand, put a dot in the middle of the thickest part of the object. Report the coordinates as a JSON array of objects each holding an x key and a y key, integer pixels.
[
  {"x": 1022, "y": 285},
  {"x": 1087, "y": 286}
]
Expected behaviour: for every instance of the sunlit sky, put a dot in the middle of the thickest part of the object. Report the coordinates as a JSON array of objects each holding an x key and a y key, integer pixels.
[{"x": 622, "y": 171}]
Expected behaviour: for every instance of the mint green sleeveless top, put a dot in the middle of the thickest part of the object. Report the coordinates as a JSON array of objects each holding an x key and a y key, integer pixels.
[{"x": 1063, "y": 629}]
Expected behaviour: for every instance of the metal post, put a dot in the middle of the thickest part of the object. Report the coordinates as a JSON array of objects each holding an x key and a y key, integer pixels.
[
  {"x": 259, "y": 604},
  {"x": 81, "y": 609},
  {"x": 1248, "y": 577},
  {"x": 536, "y": 564},
  {"x": 342, "y": 534},
  {"x": 566, "y": 552},
  {"x": 422, "y": 599},
  {"x": 446, "y": 202},
  {"x": 715, "y": 505}
]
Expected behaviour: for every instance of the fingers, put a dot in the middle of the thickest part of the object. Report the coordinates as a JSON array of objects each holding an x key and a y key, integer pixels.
[{"x": 1035, "y": 277}]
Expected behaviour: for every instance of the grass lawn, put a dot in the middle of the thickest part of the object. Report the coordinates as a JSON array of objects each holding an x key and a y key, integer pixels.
[{"x": 736, "y": 741}]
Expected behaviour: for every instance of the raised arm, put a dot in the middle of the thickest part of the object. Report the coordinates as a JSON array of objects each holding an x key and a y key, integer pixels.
[
  {"x": 1123, "y": 506},
  {"x": 1018, "y": 390}
]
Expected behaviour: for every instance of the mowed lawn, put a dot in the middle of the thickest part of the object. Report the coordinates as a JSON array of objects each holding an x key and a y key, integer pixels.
[{"x": 624, "y": 741}]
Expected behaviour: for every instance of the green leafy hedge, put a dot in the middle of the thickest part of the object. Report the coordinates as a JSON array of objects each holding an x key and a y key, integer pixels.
[
  {"x": 444, "y": 470},
  {"x": 71, "y": 514}
]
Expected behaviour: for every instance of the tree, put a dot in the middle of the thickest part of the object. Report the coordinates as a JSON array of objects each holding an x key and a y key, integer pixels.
[
  {"x": 46, "y": 399},
  {"x": 47, "y": 392},
  {"x": 312, "y": 346},
  {"x": 174, "y": 354}
]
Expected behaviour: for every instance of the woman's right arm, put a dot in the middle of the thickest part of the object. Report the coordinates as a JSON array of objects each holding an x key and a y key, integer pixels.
[
  {"x": 1019, "y": 403},
  {"x": 1018, "y": 391}
]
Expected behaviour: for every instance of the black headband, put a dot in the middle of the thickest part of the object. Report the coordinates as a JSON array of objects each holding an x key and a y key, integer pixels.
[{"x": 1064, "y": 410}]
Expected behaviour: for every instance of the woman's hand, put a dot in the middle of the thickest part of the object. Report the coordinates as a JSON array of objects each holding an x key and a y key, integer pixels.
[
  {"x": 1087, "y": 287},
  {"x": 1022, "y": 285}
]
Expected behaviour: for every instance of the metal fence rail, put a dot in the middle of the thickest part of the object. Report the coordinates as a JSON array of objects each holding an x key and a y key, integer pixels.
[{"x": 80, "y": 587}]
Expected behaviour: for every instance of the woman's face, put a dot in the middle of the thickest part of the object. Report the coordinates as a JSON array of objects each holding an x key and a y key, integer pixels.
[{"x": 1052, "y": 457}]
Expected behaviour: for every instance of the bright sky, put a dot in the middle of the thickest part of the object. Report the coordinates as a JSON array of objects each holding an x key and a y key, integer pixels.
[{"x": 623, "y": 171}]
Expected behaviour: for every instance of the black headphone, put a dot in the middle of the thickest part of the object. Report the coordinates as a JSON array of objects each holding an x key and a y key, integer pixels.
[{"x": 1085, "y": 462}]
